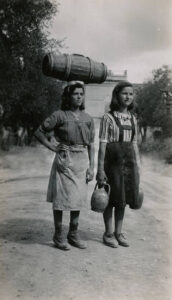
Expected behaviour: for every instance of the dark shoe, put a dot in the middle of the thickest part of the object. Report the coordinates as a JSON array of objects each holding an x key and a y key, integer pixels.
[
  {"x": 59, "y": 239},
  {"x": 74, "y": 238},
  {"x": 122, "y": 241},
  {"x": 60, "y": 243},
  {"x": 109, "y": 240}
]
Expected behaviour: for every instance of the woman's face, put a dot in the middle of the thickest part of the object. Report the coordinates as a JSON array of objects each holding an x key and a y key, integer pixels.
[
  {"x": 77, "y": 97},
  {"x": 126, "y": 96}
]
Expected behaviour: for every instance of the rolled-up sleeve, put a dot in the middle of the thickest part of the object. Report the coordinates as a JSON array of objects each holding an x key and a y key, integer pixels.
[
  {"x": 50, "y": 123},
  {"x": 104, "y": 129}
]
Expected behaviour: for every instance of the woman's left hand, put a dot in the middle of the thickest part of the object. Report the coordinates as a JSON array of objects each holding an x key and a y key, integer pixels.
[{"x": 89, "y": 174}]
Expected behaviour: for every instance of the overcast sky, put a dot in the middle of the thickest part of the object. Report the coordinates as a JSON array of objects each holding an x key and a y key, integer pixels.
[{"x": 132, "y": 35}]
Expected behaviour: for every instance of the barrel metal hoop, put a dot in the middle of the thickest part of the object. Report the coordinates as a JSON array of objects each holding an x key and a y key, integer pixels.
[
  {"x": 104, "y": 73},
  {"x": 68, "y": 66},
  {"x": 91, "y": 74}
]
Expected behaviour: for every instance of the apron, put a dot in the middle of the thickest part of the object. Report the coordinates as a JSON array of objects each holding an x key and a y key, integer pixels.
[
  {"x": 67, "y": 188},
  {"x": 121, "y": 168}
]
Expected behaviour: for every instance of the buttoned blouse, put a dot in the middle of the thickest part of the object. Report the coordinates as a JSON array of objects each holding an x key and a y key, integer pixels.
[
  {"x": 109, "y": 130},
  {"x": 70, "y": 129}
]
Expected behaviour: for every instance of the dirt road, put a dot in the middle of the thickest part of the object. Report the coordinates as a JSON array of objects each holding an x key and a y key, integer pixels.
[{"x": 32, "y": 268}]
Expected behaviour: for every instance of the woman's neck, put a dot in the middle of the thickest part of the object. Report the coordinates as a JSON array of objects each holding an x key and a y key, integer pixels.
[
  {"x": 123, "y": 110},
  {"x": 75, "y": 109}
]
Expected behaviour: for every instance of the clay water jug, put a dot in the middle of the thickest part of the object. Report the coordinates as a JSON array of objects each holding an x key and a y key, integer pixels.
[{"x": 100, "y": 198}]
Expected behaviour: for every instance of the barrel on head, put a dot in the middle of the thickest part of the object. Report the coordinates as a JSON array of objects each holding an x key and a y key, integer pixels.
[{"x": 74, "y": 67}]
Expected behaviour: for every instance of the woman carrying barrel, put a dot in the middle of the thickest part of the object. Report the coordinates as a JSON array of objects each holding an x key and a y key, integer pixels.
[
  {"x": 73, "y": 166},
  {"x": 118, "y": 161}
]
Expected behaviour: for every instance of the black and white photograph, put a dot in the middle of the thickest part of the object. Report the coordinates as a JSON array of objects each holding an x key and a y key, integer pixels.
[{"x": 85, "y": 149}]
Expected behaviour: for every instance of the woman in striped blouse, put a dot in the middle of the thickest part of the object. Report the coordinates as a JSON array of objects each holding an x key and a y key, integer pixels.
[{"x": 118, "y": 160}]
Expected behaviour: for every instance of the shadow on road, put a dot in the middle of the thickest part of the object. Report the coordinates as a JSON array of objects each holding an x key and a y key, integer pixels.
[{"x": 36, "y": 231}]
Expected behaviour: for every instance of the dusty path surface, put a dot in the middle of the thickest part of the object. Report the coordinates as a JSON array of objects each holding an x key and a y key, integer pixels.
[{"x": 32, "y": 268}]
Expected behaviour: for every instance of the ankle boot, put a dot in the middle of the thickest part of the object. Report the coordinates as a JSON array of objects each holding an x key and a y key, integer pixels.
[
  {"x": 73, "y": 237},
  {"x": 60, "y": 240}
]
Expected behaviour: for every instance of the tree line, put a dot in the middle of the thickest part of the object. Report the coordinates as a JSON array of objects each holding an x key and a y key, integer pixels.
[
  {"x": 26, "y": 95},
  {"x": 153, "y": 102}
]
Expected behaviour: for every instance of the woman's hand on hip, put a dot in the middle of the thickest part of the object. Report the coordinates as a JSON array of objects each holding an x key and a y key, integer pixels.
[
  {"x": 52, "y": 147},
  {"x": 89, "y": 174}
]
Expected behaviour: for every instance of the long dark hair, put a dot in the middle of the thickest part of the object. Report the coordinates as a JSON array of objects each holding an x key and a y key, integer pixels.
[
  {"x": 68, "y": 91},
  {"x": 115, "y": 102}
]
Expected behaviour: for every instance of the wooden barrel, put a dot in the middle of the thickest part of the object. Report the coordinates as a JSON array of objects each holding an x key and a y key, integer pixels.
[{"x": 68, "y": 67}]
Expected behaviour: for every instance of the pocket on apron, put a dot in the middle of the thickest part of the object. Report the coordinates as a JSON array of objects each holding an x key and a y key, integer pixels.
[{"x": 63, "y": 160}]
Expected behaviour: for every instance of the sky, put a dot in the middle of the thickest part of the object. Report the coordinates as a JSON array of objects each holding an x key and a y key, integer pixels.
[{"x": 132, "y": 35}]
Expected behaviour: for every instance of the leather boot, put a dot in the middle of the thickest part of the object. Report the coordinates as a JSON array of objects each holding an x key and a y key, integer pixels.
[
  {"x": 60, "y": 240},
  {"x": 73, "y": 237}
]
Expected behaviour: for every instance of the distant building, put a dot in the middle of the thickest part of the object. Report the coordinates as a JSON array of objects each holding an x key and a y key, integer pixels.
[{"x": 98, "y": 96}]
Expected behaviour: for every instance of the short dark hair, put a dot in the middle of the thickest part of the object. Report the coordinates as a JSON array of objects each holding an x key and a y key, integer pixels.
[
  {"x": 115, "y": 104},
  {"x": 68, "y": 91}
]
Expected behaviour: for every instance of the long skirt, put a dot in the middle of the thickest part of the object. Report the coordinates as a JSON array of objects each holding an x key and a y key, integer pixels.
[
  {"x": 122, "y": 173},
  {"x": 67, "y": 188}
]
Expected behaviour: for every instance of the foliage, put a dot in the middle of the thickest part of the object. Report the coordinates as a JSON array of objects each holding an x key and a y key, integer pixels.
[
  {"x": 26, "y": 94},
  {"x": 150, "y": 106}
]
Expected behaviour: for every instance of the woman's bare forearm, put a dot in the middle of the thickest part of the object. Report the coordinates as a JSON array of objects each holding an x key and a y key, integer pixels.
[
  {"x": 101, "y": 156},
  {"x": 91, "y": 152},
  {"x": 41, "y": 137}
]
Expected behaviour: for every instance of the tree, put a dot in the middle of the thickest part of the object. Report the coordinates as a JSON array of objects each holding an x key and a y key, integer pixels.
[
  {"x": 24, "y": 90},
  {"x": 150, "y": 107}
]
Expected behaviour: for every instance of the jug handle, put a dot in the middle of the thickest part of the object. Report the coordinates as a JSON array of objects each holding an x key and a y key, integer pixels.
[
  {"x": 95, "y": 186},
  {"x": 108, "y": 185},
  {"x": 105, "y": 184}
]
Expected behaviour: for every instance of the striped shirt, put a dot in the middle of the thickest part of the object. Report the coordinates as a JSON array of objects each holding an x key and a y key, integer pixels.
[{"x": 109, "y": 131}]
